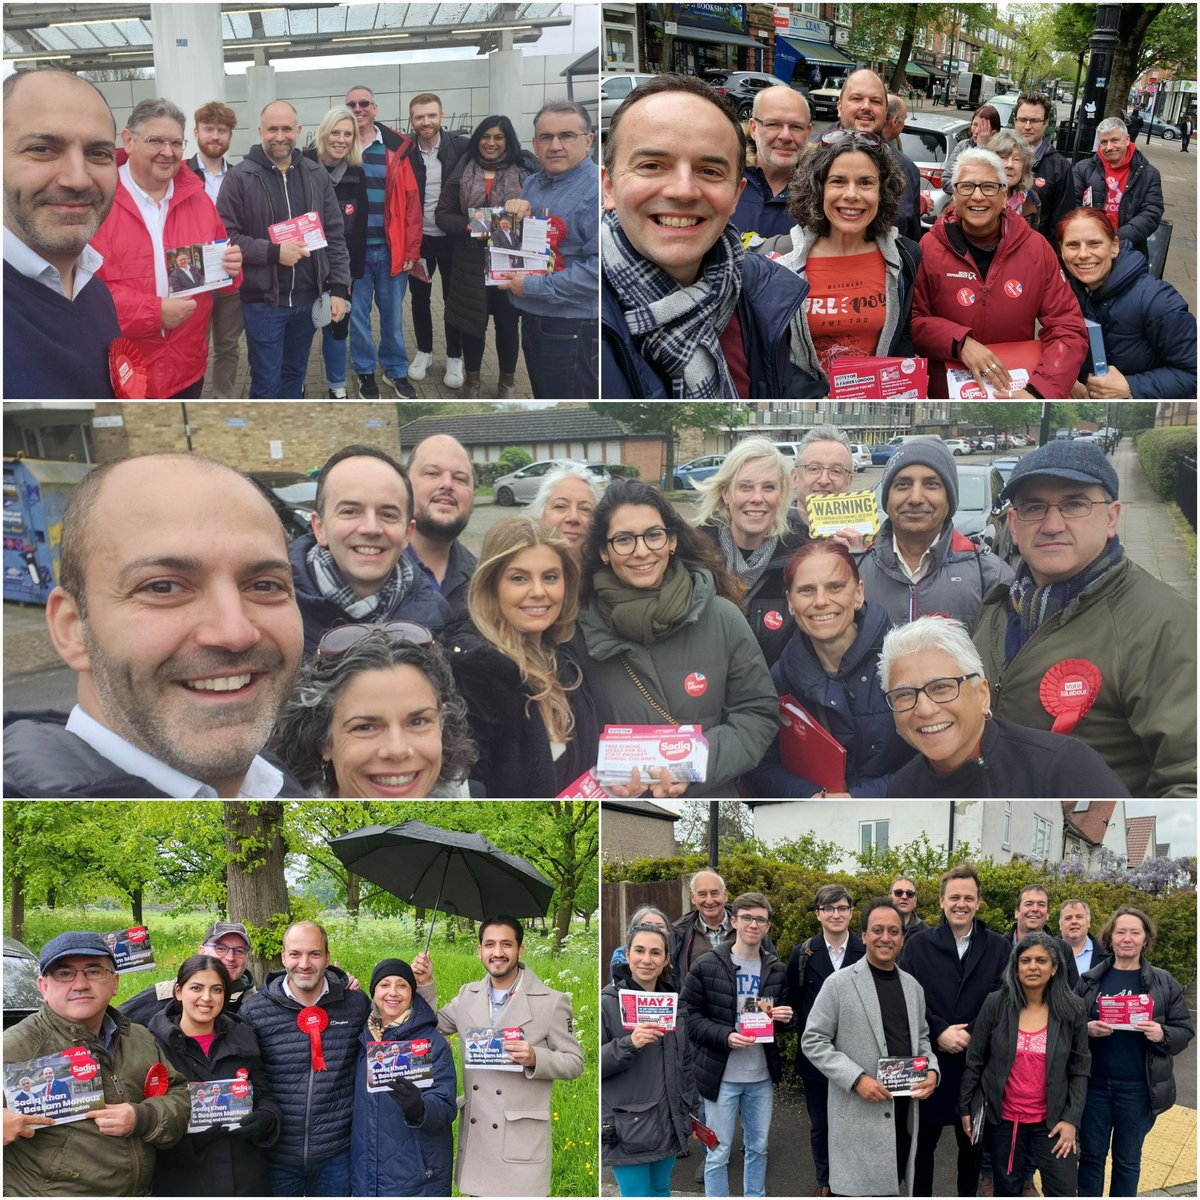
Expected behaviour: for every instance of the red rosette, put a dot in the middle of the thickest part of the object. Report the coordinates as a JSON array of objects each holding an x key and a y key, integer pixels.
[
  {"x": 156, "y": 1081},
  {"x": 127, "y": 370},
  {"x": 313, "y": 1020},
  {"x": 1068, "y": 690}
]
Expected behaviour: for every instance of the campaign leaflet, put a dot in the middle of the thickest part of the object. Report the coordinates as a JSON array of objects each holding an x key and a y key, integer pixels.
[
  {"x": 757, "y": 1018},
  {"x": 682, "y": 749},
  {"x": 517, "y": 247},
  {"x": 306, "y": 228},
  {"x": 901, "y": 1075},
  {"x": 1126, "y": 1012},
  {"x": 872, "y": 377},
  {"x": 828, "y": 515},
  {"x": 647, "y": 1008},
  {"x": 131, "y": 948},
  {"x": 65, "y": 1086},
  {"x": 586, "y": 787},
  {"x": 196, "y": 268},
  {"x": 962, "y": 386},
  {"x": 389, "y": 1061},
  {"x": 219, "y": 1102},
  {"x": 483, "y": 1047}
]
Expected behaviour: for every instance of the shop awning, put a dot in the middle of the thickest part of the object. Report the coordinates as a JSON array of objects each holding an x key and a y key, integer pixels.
[
  {"x": 817, "y": 52},
  {"x": 911, "y": 70},
  {"x": 690, "y": 33}
]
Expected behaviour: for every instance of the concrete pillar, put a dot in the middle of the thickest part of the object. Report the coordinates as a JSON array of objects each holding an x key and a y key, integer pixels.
[
  {"x": 189, "y": 59},
  {"x": 504, "y": 86},
  {"x": 260, "y": 91}
]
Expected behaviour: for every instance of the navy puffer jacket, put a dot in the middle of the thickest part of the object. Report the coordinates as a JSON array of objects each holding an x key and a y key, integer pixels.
[
  {"x": 1149, "y": 334},
  {"x": 388, "y": 1156},
  {"x": 316, "y": 1105}
]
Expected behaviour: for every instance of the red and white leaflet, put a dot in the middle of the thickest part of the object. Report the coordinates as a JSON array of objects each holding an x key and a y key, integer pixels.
[
  {"x": 586, "y": 787},
  {"x": 962, "y": 386},
  {"x": 307, "y": 229},
  {"x": 1126, "y": 1012},
  {"x": 758, "y": 1021},
  {"x": 647, "y": 1008},
  {"x": 682, "y": 749},
  {"x": 866, "y": 377}
]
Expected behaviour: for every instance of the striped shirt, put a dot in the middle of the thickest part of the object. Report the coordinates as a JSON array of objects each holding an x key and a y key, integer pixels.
[{"x": 375, "y": 169}]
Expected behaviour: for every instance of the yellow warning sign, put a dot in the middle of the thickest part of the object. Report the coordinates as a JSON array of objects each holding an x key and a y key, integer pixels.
[{"x": 849, "y": 510}]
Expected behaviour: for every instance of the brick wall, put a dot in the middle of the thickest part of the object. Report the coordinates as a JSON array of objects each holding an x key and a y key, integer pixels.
[{"x": 647, "y": 454}]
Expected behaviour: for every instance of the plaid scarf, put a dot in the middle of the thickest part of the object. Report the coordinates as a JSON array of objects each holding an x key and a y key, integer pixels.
[
  {"x": 678, "y": 329},
  {"x": 1033, "y": 605},
  {"x": 337, "y": 591}
]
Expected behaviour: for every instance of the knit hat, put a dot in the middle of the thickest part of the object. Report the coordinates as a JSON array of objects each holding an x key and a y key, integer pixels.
[
  {"x": 929, "y": 452},
  {"x": 393, "y": 966},
  {"x": 87, "y": 945},
  {"x": 1079, "y": 462}
]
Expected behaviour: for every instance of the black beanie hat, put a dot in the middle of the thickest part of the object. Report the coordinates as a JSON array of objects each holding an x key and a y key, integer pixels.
[{"x": 393, "y": 966}]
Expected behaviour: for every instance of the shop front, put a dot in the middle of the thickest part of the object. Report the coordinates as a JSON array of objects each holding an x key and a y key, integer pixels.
[{"x": 704, "y": 37}]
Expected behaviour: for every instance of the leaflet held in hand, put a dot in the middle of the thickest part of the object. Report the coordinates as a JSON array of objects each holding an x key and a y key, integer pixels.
[
  {"x": 681, "y": 749},
  {"x": 647, "y": 1008},
  {"x": 901, "y": 1075},
  {"x": 1126, "y": 1012},
  {"x": 219, "y": 1102},
  {"x": 306, "y": 228},
  {"x": 64, "y": 1086},
  {"x": 757, "y": 1018},
  {"x": 483, "y": 1047},
  {"x": 131, "y": 948},
  {"x": 389, "y": 1061},
  {"x": 828, "y": 515}
]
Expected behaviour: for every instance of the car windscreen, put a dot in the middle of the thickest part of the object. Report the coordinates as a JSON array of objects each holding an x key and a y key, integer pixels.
[
  {"x": 298, "y": 493},
  {"x": 926, "y": 145},
  {"x": 972, "y": 493}
]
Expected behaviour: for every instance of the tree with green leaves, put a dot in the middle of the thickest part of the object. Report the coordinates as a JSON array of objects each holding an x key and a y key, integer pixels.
[
  {"x": 652, "y": 416},
  {"x": 258, "y": 896},
  {"x": 987, "y": 63},
  {"x": 888, "y": 31}
]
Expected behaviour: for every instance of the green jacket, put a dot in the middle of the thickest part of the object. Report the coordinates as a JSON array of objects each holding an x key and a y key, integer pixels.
[
  {"x": 1141, "y": 634},
  {"x": 77, "y": 1159}
]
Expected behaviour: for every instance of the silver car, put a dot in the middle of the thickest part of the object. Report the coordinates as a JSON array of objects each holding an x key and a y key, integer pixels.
[
  {"x": 928, "y": 140},
  {"x": 614, "y": 89},
  {"x": 520, "y": 487}
]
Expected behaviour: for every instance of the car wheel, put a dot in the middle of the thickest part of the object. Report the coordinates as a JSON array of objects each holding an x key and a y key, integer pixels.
[
  {"x": 505, "y": 498},
  {"x": 678, "y": 484},
  {"x": 745, "y": 111},
  {"x": 1168, "y": 135}
]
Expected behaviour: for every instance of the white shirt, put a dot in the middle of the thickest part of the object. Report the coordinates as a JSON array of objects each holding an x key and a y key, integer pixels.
[
  {"x": 963, "y": 944},
  {"x": 263, "y": 781},
  {"x": 33, "y": 266},
  {"x": 212, "y": 183},
  {"x": 154, "y": 217},
  {"x": 922, "y": 566},
  {"x": 433, "y": 189},
  {"x": 306, "y": 1003},
  {"x": 837, "y": 953}
]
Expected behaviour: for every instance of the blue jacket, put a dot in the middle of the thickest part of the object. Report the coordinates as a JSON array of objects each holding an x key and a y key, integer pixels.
[
  {"x": 1149, "y": 334},
  {"x": 851, "y": 702},
  {"x": 422, "y": 604},
  {"x": 770, "y": 295},
  {"x": 388, "y": 1156},
  {"x": 759, "y": 210},
  {"x": 908, "y": 219}
]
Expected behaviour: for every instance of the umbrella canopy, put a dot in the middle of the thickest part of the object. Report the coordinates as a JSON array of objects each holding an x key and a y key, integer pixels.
[{"x": 458, "y": 873}]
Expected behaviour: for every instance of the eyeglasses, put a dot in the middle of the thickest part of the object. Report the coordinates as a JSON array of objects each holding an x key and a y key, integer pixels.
[
  {"x": 1072, "y": 510},
  {"x": 626, "y": 543},
  {"x": 345, "y": 637},
  {"x": 567, "y": 139},
  {"x": 1031, "y": 120},
  {"x": 839, "y": 909},
  {"x": 359, "y": 103},
  {"x": 901, "y": 894},
  {"x": 745, "y": 920},
  {"x": 93, "y": 973},
  {"x": 940, "y": 691},
  {"x": 967, "y": 188},
  {"x": 774, "y": 127},
  {"x": 230, "y": 951},
  {"x": 816, "y": 470},
  {"x": 157, "y": 143},
  {"x": 831, "y": 137}
]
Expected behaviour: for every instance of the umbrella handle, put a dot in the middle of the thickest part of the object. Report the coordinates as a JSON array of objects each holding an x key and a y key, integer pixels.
[{"x": 437, "y": 903}]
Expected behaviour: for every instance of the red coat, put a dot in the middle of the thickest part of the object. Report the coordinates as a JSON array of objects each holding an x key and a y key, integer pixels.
[
  {"x": 402, "y": 210},
  {"x": 175, "y": 358},
  {"x": 1024, "y": 282}
]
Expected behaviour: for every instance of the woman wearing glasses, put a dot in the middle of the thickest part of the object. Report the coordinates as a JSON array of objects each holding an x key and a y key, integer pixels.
[
  {"x": 529, "y": 708},
  {"x": 375, "y": 713},
  {"x": 1017, "y": 156},
  {"x": 934, "y": 684},
  {"x": 667, "y": 643},
  {"x": 986, "y": 278}
]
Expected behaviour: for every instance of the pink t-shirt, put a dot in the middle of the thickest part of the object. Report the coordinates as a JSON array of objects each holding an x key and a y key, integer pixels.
[
  {"x": 204, "y": 1041},
  {"x": 1025, "y": 1091}
]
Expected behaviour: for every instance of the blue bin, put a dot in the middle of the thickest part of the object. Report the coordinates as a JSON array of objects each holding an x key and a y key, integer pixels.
[{"x": 35, "y": 497}]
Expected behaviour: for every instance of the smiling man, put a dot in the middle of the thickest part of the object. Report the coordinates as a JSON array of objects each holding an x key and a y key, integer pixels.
[
  {"x": 1030, "y": 915},
  {"x": 706, "y": 926},
  {"x": 779, "y": 129},
  {"x": 352, "y": 567},
  {"x": 685, "y": 312},
  {"x": 1081, "y": 613},
  {"x": 1119, "y": 179},
  {"x": 176, "y": 611}
]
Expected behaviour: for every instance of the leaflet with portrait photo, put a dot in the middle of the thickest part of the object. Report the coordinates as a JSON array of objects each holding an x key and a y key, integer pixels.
[
  {"x": 64, "y": 1086},
  {"x": 389, "y": 1061},
  {"x": 131, "y": 948},
  {"x": 196, "y": 268},
  {"x": 483, "y": 1047},
  {"x": 757, "y": 1018},
  {"x": 647, "y": 1008},
  {"x": 901, "y": 1075},
  {"x": 219, "y": 1102}
]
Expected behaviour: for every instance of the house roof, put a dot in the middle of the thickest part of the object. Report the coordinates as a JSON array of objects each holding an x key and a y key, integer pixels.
[
  {"x": 1091, "y": 823},
  {"x": 532, "y": 425},
  {"x": 641, "y": 808},
  {"x": 1139, "y": 838}
]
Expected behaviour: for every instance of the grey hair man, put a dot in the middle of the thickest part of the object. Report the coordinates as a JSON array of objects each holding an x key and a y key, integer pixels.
[
  {"x": 897, "y": 114},
  {"x": 779, "y": 129},
  {"x": 1074, "y": 925},
  {"x": 823, "y": 468}
]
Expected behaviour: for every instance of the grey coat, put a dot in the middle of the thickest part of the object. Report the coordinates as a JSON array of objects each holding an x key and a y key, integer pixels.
[{"x": 844, "y": 1038}]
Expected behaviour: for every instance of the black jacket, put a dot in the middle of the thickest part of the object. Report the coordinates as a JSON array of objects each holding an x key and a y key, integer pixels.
[
  {"x": 711, "y": 1000},
  {"x": 317, "y": 1105},
  {"x": 451, "y": 147},
  {"x": 1141, "y": 208},
  {"x": 687, "y": 945},
  {"x": 955, "y": 990},
  {"x": 817, "y": 969},
  {"x": 351, "y": 193},
  {"x": 149, "y": 1002},
  {"x": 234, "y": 1164},
  {"x": 1010, "y": 940},
  {"x": 1052, "y": 183},
  {"x": 1170, "y": 1011},
  {"x": 993, "y": 1050}
]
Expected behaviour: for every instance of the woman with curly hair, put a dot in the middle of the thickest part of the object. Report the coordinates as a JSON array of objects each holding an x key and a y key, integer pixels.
[
  {"x": 375, "y": 714},
  {"x": 1017, "y": 156},
  {"x": 529, "y": 709},
  {"x": 844, "y": 198}
]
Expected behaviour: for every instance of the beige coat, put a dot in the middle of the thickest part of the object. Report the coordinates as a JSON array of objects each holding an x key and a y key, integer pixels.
[{"x": 505, "y": 1126}]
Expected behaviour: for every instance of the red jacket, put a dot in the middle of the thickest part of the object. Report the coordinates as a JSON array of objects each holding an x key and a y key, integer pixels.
[
  {"x": 402, "y": 212},
  {"x": 175, "y": 358},
  {"x": 1024, "y": 283}
]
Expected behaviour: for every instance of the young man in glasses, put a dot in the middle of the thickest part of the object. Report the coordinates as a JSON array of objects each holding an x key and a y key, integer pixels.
[
  {"x": 78, "y": 981},
  {"x": 1086, "y": 641},
  {"x": 1052, "y": 179}
]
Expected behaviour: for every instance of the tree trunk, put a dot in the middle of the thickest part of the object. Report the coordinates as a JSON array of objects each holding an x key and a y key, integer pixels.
[
  {"x": 1131, "y": 27},
  {"x": 899, "y": 83},
  {"x": 567, "y": 887},
  {"x": 16, "y": 921},
  {"x": 257, "y": 889},
  {"x": 353, "y": 893},
  {"x": 52, "y": 897},
  {"x": 136, "y": 899}
]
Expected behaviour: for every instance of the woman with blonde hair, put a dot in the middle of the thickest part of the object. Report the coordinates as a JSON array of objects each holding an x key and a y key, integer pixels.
[
  {"x": 744, "y": 512},
  {"x": 1017, "y": 156},
  {"x": 529, "y": 709}
]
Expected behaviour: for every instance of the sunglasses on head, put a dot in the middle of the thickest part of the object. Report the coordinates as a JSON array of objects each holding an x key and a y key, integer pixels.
[
  {"x": 832, "y": 136},
  {"x": 345, "y": 637}
]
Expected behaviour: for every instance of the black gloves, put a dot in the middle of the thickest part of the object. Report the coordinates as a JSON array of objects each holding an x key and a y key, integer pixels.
[
  {"x": 259, "y": 1124},
  {"x": 408, "y": 1096},
  {"x": 201, "y": 1141}
]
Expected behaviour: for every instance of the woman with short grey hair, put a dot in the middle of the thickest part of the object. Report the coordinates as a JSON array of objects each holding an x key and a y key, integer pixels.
[
  {"x": 566, "y": 500},
  {"x": 1017, "y": 156}
]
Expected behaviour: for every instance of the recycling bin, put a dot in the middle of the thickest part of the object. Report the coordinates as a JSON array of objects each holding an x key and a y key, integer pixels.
[{"x": 35, "y": 496}]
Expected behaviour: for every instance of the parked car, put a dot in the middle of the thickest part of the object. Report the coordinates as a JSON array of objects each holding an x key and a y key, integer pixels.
[
  {"x": 1005, "y": 466},
  {"x": 789, "y": 450},
  {"x": 740, "y": 87},
  {"x": 292, "y": 495},
  {"x": 687, "y": 475},
  {"x": 614, "y": 89},
  {"x": 959, "y": 446},
  {"x": 987, "y": 443},
  {"x": 882, "y": 451},
  {"x": 520, "y": 487},
  {"x": 21, "y": 996},
  {"x": 929, "y": 139},
  {"x": 823, "y": 100},
  {"x": 860, "y": 456},
  {"x": 1161, "y": 128}
]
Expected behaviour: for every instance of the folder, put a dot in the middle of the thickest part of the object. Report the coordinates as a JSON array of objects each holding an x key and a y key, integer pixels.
[
  {"x": 1027, "y": 355},
  {"x": 808, "y": 749},
  {"x": 1096, "y": 347}
]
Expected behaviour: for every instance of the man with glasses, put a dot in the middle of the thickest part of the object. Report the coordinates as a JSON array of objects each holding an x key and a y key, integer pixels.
[
  {"x": 560, "y": 318},
  {"x": 735, "y": 1073},
  {"x": 904, "y": 896},
  {"x": 823, "y": 468},
  {"x": 158, "y": 209},
  {"x": 810, "y": 965},
  {"x": 779, "y": 129},
  {"x": 1051, "y": 170},
  {"x": 78, "y": 981},
  {"x": 1084, "y": 640}
]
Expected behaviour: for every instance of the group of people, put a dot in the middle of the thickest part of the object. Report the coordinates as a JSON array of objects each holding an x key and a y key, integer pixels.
[
  {"x": 381, "y": 657},
  {"x": 320, "y": 1125},
  {"x": 722, "y": 280},
  {"x": 91, "y": 308},
  {"x": 1013, "y": 1051}
]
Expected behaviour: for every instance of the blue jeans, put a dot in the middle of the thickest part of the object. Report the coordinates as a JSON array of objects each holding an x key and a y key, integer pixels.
[
  {"x": 388, "y": 290},
  {"x": 1116, "y": 1109},
  {"x": 333, "y": 351},
  {"x": 754, "y": 1101},
  {"x": 329, "y": 1177},
  {"x": 278, "y": 341},
  {"x": 646, "y": 1179},
  {"x": 561, "y": 356}
]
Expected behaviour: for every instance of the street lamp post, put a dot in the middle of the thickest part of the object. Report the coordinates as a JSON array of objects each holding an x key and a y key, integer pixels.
[{"x": 1103, "y": 45}]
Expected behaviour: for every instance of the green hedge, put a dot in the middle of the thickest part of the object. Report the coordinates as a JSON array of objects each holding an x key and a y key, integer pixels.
[
  {"x": 1159, "y": 452},
  {"x": 624, "y": 471}
]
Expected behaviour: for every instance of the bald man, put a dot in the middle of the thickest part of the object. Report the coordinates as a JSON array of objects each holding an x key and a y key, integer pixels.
[{"x": 779, "y": 129}]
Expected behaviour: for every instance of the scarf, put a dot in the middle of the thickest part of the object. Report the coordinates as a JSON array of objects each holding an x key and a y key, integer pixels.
[
  {"x": 337, "y": 591},
  {"x": 377, "y": 1026},
  {"x": 643, "y": 615},
  {"x": 1034, "y": 605},
  {"x": 472, "y": 190},
  {"x": 677, "y": 329},
  {"x": 747, "y": 565}
]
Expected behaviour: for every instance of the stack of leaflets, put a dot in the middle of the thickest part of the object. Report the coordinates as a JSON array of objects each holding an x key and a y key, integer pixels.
[
  {"x": 389, "y": 1061},
  {"x": 219, "y": 1102},
  {"x": 65, "y": 1086},
  {"x": 647, "y": 1008},
  {"x": 867, "y": 377},
  {"x": 901, "y": 1075},
  {"x": 682, "y": 749},
  {"x": 483, "y": 1048},
  {"x": 516, "y": 246}
]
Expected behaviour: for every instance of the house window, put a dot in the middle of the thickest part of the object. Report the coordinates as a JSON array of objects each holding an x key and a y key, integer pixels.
[
  {"x": 873, "y": 835},
  {"x": 1006, "y": 842},
  {"x": 1041, "y": 837}
]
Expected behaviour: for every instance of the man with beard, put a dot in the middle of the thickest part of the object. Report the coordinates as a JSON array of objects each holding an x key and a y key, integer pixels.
[
  {"x": 175, "y": 608},
  {"x": 443, "y": 484},
  {"x": 60, "y": 176}
]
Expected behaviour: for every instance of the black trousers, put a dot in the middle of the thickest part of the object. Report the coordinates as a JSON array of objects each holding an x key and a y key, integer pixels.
[
  {"x": 816, "y": 1098},
  {"x": 508, "y": 335},
  {"x": 437, "y": 252},
  {"x": 1060, "y": 1176},
  {"x": 968, "y": 1160}
]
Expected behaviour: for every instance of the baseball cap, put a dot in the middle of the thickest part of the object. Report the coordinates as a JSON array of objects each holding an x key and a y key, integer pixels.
[
  {"x": 91, "y": 945},
  {"x": 1079, "y": 462},
  {"x": 221, "y": 928}
]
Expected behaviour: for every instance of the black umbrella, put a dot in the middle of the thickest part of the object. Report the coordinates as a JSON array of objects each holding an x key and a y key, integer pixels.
[{"x": 442, "y": 869}]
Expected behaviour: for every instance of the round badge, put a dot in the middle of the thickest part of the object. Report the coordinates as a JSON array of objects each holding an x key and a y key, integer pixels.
[
  {"x": 908, "y": 366},
  {"x": 1068, "y": 690},
  {"x": 1013, "y": 288},
  {"x": 156, "y": 1081},
  {"x": 241, "y": 1073},
  {"x": 1039, "y": 182},
  {"x": 966, "y": 297},
  {"x": 773, "y": 620},
  {"x": 419, "y": 1047},
  {"x": 696, "y": 684}
]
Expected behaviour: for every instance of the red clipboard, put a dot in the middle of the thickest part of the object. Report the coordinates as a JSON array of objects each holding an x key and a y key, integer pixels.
[
  {"x": 1027, "y": 355},
  {"x": 706, "y": 1135},
  {"x": 808, "y": 749}
]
